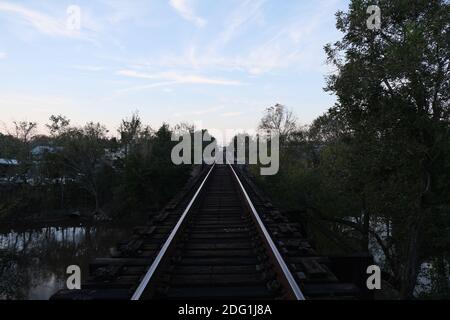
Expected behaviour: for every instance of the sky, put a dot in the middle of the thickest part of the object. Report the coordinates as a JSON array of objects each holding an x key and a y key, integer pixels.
[{"x": 217, "y": 64}]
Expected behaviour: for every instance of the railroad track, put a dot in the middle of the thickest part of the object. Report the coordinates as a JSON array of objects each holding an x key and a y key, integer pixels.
[
  {"x": 219, "y": 240},
  {"x": 219, "y": 249}
]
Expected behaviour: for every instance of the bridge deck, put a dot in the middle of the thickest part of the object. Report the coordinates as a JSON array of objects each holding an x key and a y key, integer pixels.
[{"x": 219, "y": 251}]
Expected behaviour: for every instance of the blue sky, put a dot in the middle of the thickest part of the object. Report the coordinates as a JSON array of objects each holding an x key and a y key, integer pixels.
[{"x": 216, "y": 63}]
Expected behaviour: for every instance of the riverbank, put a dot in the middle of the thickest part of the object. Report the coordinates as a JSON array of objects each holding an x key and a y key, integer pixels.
[
  {"x": 64, "y": 221},
  {"x": 65, "y": 218},
  {"x": 34, "y": 259}
]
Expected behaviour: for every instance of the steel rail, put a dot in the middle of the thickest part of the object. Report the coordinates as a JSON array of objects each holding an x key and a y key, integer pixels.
[
  {"x": 287, "y": 273},
  {"x": 150, "y": 272}
]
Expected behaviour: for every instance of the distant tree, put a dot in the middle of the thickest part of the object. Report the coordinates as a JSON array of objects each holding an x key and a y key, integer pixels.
[
  {"x": 10, "y": 146},
  {"x": 83, "y": 155},
  {"x": 134, "y": 134},
  {"x": 184, "y": 128},
  {"x": 148, "y": 176},
  {"x": 280, "y": 119},
  {"x": 24, "y": 130},
  {"x": 129, "y": 131},
  {"x": 57, "y": 124}
]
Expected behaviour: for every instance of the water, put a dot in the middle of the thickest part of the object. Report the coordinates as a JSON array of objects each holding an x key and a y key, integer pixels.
[
  {"x": 423, "y": 282},
  {"x": 33, "y": 263}
]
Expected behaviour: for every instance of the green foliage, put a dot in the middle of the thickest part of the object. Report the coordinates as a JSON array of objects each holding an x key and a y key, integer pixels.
[
  {"x": 397, "y": 119},
  {"x": 382, "y": 168},
  {"x": 120, "y": 178},
  {"x": 10, "y": 147},
  {"x": 149, "y": 177}
]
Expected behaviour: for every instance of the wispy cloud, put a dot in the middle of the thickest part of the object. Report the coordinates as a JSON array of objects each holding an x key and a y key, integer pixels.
[
  {"x": 183, "y": 8},
  {"x": 146, "y": 87},
  {"x": 178, "y": 78},
  {"x": 231, "y": 114},
  {"x": 296, "y": 42},
  {"x": 273, "y": 50},
  {"x": 246, "y": 12},
  {"x": 88, "y": 68},
  {"x": 40, "y": 21},
  {"x": 199, "y": 112},
  {"x": 30, "y": 103},
  {"x": 48, "y": 24}
]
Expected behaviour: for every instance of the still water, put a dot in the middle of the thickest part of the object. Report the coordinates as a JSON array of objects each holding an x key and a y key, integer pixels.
[{"x": 33, "y": 262}]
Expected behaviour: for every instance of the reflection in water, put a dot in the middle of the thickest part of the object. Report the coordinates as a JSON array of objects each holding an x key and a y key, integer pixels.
[
  {"x": 33, "y": 263},
  {"x": 384, "y": 228}
]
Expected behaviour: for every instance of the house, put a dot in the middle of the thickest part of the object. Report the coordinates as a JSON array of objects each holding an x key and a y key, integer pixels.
[
  {"x": 113, "y": 155},
  {"x": 40, "y": 151},
  {"x": 9, "y": 162},
  {"x": 6, "y": 165}
]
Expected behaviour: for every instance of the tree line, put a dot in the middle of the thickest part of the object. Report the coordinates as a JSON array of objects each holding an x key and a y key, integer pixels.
[
  {"x": 375, "y": 168},
  {"x": 123, "y": 175}
]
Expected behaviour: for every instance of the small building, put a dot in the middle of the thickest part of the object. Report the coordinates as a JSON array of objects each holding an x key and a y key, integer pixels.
[
  {"x": 114, "y": 155},
  {"x": 40, "y": 151},
  {"x": 9, "y": 162},
  {"x": 6, "y": 165}
]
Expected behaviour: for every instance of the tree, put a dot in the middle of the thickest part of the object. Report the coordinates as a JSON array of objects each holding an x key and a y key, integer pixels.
[
  {"x": 57, "y": 124},
  {"x": 328, "y": 128},
  {"x": 129, "y": 131},
  {"x": 148, "y": 176},
  {"x": 184, "y": 128},
  {"x": 398, "y": 113},
  {"x": 280, "y": 119},
  {"x": 10, "y": 147},
  {"x": 83, "y": 151},
  {"x": 24, "y": 130}
]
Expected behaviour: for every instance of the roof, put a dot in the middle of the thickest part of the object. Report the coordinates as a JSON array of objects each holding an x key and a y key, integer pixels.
[
  {"x": 9, "y": 162},
  {"x": 39, "y": 150}
]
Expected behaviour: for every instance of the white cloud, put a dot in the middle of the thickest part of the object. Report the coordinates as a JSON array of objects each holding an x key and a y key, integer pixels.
[
  {"x": 36, "y": 107},
  {"x": 128, "y": 13},
  {"x": 296, "y": 43},
  {"x": 231, "y": 114},
  {"x": 177, "y": 78},
  {"x": 145, "y": 87},
  {"x": 3, "y": 55},
  {"x": 199, "y": 112},
  {"x": 246, "y": 12},
  {"x": 39, "y": 21},
  {"x": 183, "y": 8},
  {"x": 49, "y": 25},
  {"x": 88, "y": 68}
]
